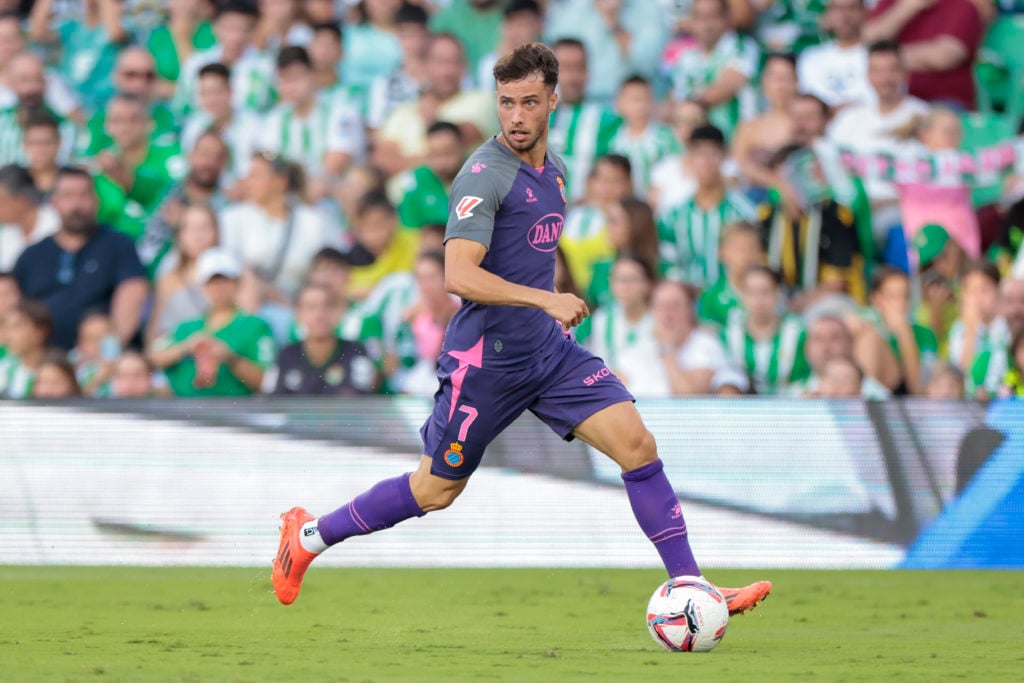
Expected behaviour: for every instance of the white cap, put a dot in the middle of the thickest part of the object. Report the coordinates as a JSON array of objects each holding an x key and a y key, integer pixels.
[{"x": 217, "y": 261}]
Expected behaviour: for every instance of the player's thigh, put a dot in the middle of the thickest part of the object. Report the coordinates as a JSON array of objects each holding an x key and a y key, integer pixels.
[
  {"x": 586, "y": 400},
  {"x": 619, "y": 432},
  {"x": 471, "y": 408}
]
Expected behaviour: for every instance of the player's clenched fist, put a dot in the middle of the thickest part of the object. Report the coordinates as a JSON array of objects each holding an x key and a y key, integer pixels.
[{"x": 568, "y": 309}]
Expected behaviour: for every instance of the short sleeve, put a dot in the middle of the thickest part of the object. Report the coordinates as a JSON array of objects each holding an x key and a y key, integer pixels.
[
  {"x": 127, "y": 265},
  {"x": 474, "y": 202},
  {"x": 964, "y": 24},
  {"x": 260, "y": 348}
]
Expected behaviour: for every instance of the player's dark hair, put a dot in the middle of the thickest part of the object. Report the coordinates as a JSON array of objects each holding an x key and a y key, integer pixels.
[
  {"x": 445, "y": 127},
  {"x": 11, "y": 16},
  {"x": 217, "y": 70},
  {"x": 517, "y": 6},
  {"x": 332, "y": 27},
  {"x": 883, "y": 274},
  {"x": 760, "y": 269},
  {"x": 38, "y": 314},
  {"x": 617, "y": 161},
  {"x": 884, "y": 47},
  {"x": 434, "y": 256},
  {"x": 248, "y": 9},
  {"x": 826, "y": 110},
  {"x": 707, "y": 133},
  {"x": 409, "y": 13},
  {"x": 635, "y": 79},
  {"x": 292, "y": 55},
  {"x": 17, "y": 182},
  {"x": 375, "y": 200},
  {"x": 982, "y": 267},
  {"x": 526, "y": 60}
]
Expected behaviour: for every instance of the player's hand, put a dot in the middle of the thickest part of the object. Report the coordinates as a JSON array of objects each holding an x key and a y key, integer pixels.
[{"x": 568, "y": 309}]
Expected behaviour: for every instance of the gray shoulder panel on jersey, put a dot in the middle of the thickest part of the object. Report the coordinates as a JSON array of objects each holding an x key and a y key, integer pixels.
[
  {"x": 559, "y": 163},
  {"x": 478, "y": 191}
]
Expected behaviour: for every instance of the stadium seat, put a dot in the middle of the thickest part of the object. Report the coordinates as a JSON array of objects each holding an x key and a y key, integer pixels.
[{"x": 985, "y": 130}]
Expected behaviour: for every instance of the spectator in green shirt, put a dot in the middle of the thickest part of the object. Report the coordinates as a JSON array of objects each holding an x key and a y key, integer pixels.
[
  {"x": 422, "y": 192},
  {"x": 142, "y": 168},
  {"x": 187, "y": 30},
  {"x": 135, "y": 74},
  {"x": 26, "y": 328},
  {"x": 740, "y": 249},
  {"x": 224, "y": 353},
  {"x": 475, "y": 23},
  {"x": 915, "y": 346}
]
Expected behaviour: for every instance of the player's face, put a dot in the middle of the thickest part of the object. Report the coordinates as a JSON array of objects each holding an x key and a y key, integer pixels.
[{"x": 523, "y": 110}]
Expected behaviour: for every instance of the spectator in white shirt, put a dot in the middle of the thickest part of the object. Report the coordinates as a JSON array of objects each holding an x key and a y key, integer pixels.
[
  {"x": 679, "y": 358},
  {"x": 24, "y": 220},
  {"x": 881, "y": 127},
  {"x": 837, "y": 71}
]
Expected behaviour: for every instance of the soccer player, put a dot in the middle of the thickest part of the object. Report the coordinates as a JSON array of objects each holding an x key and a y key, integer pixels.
[{"x": 507, "y": 350}]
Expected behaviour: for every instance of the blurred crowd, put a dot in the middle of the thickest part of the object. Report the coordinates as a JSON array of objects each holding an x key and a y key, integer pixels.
[{"x": 781, "y": 197}]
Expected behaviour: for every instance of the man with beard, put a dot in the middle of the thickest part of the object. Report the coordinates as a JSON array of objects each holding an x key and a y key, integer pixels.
[
  {"x": 508, "y": 349},
  {"x": 206, "y": 163},
  {"x": 27, "y": 78},
  {"x": 84, "y": 266}
]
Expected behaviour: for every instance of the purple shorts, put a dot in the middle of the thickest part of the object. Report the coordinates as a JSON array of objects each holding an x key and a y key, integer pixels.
[{"x": 474, "y": 405}]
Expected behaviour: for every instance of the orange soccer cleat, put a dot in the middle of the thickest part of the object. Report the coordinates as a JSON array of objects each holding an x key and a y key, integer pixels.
[
  {"x": 292, "y": 559},
  {"x": 742, "y": 600}
]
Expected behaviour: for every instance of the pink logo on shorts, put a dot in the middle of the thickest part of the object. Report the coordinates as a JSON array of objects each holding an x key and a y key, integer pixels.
[
  {"x": 544, "y": 234},
  {"x": 591, "y": 380}
]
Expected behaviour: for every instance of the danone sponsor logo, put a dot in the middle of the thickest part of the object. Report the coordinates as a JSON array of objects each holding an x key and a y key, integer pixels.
[{"x": 544, "y": 234}]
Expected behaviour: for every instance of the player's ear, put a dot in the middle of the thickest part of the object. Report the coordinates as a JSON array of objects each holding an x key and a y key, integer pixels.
[{"x": 552, "y": 101}]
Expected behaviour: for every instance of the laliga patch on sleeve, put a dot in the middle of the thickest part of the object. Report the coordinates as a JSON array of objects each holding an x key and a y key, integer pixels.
[{"x": 464, "y": 209}]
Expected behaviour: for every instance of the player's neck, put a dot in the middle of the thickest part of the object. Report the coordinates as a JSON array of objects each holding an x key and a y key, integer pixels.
[{"x": 534, "y": 157}]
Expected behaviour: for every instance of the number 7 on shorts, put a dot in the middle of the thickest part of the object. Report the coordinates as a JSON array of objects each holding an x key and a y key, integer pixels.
[{"x": 471, "y": 415}]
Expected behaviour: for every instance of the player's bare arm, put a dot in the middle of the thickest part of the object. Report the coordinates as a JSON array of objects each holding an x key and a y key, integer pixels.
[{"x": 465, "y": 278}]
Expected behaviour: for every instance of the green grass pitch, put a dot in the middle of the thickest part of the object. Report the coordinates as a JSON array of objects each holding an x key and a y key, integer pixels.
[{"x": 183, "y": 624}]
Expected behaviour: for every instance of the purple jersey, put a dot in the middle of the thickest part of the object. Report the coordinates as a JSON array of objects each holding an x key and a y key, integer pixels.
[{"x": 517, "y": 212}]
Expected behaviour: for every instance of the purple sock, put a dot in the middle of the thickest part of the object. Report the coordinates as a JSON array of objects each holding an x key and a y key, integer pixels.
[
  {"x": 656, "y": 508},
  {"x": 383, "y": 506}
]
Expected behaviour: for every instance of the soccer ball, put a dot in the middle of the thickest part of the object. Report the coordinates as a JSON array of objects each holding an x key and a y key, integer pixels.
[{"x": 687, "y": 614}]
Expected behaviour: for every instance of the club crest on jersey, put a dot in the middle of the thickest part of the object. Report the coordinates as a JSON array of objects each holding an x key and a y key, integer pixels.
[
  {"x": 544, "y": 234},
  {"x": 453, "y": 456},
  {"x": 561, "y": 190},
  {"x": 464, "y": 209}
]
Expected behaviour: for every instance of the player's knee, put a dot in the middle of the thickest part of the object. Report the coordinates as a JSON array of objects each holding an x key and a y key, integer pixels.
[
  {"x": 435, "y": 493},
  {"x": 640, "y": 450}
]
